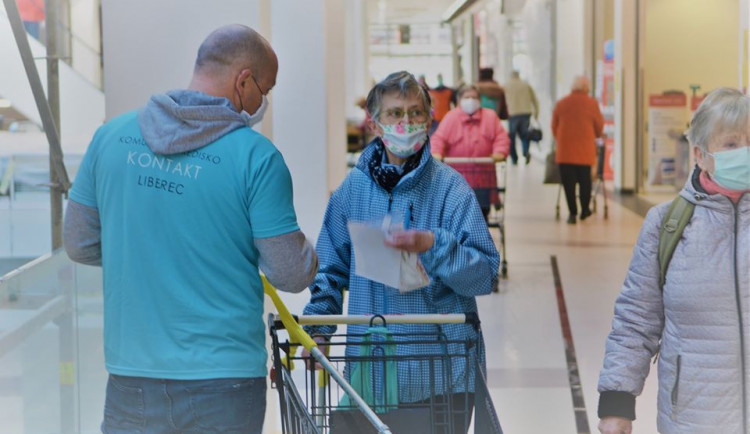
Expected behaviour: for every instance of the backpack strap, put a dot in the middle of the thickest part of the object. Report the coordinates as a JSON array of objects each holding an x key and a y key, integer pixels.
[{"x": 670, "y": 232}]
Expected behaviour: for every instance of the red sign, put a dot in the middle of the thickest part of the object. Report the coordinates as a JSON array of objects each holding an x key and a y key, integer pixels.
[{"x": 668, "y": 100}]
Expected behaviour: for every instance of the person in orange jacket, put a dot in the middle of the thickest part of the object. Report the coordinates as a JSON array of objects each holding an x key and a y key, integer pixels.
[
  {"x": 472, "y": 131},
  {"x": 576, "y": 124}
]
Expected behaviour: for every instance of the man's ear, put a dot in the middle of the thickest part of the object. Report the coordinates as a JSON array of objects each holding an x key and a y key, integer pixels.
[{"x": 242, "y": 77}]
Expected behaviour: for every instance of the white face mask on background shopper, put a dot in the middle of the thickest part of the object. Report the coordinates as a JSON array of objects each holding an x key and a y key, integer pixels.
[
  {"x": 469, "y": 105},
  {"x": 732, "y": 168}
]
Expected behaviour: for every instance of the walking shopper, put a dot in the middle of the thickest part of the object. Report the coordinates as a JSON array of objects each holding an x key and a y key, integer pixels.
[
  {"x": 522, "y": 104},
  {"x": 576, "y": 124},
  {"x": 691, "y": 310}
]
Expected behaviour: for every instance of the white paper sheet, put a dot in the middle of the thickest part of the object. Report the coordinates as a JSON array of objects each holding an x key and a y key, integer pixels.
[{"x": 372, "y": 258}]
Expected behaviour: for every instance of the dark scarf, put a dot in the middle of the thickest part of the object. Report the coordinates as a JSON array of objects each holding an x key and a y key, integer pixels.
[{"x": 388, "y": 176}]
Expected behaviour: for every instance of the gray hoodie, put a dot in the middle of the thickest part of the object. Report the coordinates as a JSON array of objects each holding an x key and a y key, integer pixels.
[{"x": 181, "y": 121}]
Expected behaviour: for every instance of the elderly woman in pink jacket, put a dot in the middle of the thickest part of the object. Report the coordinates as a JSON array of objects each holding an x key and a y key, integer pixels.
[{"x": 470, "y": 131}]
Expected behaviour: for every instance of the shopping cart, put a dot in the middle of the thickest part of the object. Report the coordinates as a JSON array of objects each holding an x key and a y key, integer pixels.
[
  {"x": 408, "y": 380},
  {"x": 488, "y": 178},
  {"x": 598, "y": 185}
]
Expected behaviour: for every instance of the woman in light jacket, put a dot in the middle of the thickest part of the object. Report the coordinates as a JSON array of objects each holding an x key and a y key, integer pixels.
[
  {"x": 470, "y": 130},
  {"x": 699, "y": 320},
  {"x": 443, "y": 225}
]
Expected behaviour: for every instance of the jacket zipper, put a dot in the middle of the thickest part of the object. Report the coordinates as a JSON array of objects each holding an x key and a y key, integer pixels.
[
  {"x": 676, "y": 386},
  {"x": 739, "y": 317}
]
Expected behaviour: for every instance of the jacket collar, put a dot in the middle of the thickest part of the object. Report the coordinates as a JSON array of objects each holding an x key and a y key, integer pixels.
[
  {"x": 695, "y": 193},
  {"x": 363, "y": 164}
]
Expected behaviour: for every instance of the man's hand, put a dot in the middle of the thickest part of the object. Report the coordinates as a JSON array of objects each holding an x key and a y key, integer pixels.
[
  {"x": 615, "y": 425},
  {"x": 322, "y": 346},
  {"x": 411, "y": 241},
  {"x": 437, "y": 157},
  {"x": 498, "y": 157}
]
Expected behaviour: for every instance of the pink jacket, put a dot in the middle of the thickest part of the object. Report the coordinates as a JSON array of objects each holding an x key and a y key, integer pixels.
[{"x": 478, "y": 135}]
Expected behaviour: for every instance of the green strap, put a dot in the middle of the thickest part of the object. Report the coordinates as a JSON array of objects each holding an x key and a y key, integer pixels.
[{"x": 678, "y": 216}]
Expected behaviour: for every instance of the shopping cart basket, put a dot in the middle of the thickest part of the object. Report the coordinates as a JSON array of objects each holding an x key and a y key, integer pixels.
[
  {"x": 598, "y": 185},
  {"x": 409, "y": 380},
  {"x": 488, "y": 178}
]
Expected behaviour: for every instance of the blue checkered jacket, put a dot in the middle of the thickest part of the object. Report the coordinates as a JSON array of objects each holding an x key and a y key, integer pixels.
[{"x": 462, "y": 264}]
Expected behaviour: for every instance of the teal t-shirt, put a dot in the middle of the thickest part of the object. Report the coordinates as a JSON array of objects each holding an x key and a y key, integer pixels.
[{"x": 182, "y": 293}]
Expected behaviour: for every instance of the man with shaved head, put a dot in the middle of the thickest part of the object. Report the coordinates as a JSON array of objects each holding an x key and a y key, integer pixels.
[{"x": 181, "y": 202}]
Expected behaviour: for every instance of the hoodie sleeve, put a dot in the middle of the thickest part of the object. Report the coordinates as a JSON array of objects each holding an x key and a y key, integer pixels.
[
  {"x": 288, "y": 261},
  {"x": 82, "y": 237},
  {"x": 334, "y": 250},
  {"x": 463, "y": 256}
]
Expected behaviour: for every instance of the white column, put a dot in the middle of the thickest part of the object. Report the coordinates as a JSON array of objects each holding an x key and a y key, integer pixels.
[
  {"x": 626, "y": 94},
  {"x": 309, "y": 116},
  {"x": 570, "y": 44},
  {"x": 357, "y": 54}
]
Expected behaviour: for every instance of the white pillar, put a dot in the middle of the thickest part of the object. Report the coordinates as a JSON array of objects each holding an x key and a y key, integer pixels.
[
  {"x": 357, "y": 55},
  {"x": 309, "y": 116},
  {"x": 627, "y": 71}
]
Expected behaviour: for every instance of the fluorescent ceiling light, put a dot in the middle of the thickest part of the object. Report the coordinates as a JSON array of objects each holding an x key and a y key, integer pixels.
[{"x": 5, "y": 103}]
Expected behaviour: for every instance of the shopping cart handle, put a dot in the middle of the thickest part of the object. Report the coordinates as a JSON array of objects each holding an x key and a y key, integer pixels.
[
  {"x": 438, "y": 318},
  {"x": 449, "y": 160}
]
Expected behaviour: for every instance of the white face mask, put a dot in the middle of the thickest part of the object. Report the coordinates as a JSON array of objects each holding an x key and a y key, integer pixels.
[
  {"x": 252, "y": 119},
  {"x": 469, "y": 105},
  {"x": 404, "y": 140}
]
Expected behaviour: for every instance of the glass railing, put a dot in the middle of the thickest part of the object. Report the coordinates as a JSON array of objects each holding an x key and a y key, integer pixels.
[{"x": 52, "y": 376}]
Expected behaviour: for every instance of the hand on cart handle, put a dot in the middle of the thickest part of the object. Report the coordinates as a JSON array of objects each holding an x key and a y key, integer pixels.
[
  {"x": 322, "y": 346},
  {"x": 411, "y": 240},
  {"x": 498, "y": 158}
]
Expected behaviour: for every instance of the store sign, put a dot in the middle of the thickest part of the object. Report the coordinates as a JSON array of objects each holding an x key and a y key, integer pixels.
[{"x": 667, "y": 117}]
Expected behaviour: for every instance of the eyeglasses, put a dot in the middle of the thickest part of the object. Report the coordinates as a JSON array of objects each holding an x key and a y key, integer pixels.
[
  {"x": 258, "y": 86},
  {"x": 396, "y": 114}
]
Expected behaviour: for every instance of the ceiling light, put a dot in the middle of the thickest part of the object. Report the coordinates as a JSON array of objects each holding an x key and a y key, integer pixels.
[{"x": 5, "y": 103}]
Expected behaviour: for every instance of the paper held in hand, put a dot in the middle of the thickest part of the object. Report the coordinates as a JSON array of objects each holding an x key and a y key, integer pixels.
[{"x": 380, "y": 263}]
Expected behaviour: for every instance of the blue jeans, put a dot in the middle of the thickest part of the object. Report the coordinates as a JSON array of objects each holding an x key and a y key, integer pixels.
[
  {"x": 151, "y": 406},
  {"x": 518, "y": 125}
]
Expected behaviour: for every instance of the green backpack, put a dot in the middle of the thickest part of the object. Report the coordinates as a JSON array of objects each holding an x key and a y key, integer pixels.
[{"x": 670, "y": 232}]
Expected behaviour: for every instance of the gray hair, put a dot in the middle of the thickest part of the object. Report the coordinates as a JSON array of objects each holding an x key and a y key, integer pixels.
[
  {"x": 582, "y": 83},
  {"x": 724, "y": 109},
  {"x": 402, "y": 82},
  {"x": 231, "y": 44},
  {"x": 465, "y": 88}
]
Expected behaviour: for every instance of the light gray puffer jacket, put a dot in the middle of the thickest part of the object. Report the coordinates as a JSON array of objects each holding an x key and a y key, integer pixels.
[{"x": 702, "y": 319}]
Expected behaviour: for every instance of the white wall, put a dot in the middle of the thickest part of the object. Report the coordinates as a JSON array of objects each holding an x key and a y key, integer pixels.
[
  {"x": 570, "y": 44},
  {"x": 81, "y": 104},
  {"x": 150, "y": 46}
]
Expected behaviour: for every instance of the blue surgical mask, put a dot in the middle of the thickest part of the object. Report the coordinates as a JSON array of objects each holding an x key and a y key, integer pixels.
[{"x": 732, "y": 168}]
